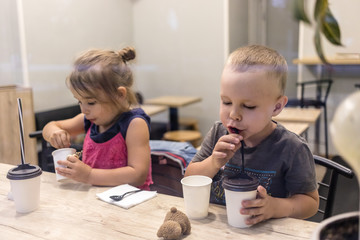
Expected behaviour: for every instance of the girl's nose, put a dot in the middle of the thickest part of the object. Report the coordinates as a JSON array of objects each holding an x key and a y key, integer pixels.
[{"x": 84, "y": 110}]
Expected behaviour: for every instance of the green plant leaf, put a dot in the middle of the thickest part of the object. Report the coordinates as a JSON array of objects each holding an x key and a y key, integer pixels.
[
  {"x": 318, "y": 45},
  {"x": 299, "y": 11},
  {"x": 330, "y": 28},
  {"x": 320, "y": 8}
]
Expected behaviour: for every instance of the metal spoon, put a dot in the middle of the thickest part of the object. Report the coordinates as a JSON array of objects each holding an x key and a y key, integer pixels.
[{"x": 120, "y": 197}]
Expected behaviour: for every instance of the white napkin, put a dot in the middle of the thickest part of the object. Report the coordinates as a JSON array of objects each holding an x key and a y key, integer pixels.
[{"x": 128, "y": 201}]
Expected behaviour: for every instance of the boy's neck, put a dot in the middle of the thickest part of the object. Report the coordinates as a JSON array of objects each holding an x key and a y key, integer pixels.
[{"x": 258, "y": 138}]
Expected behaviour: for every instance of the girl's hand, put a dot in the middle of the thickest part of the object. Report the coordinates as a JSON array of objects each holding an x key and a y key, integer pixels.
[
  {"x": 75, "y": 169},
  {"x": 60, "y": 139},
  {"x": 260, "y": 209},
  {"x": 225, "y": 149}
]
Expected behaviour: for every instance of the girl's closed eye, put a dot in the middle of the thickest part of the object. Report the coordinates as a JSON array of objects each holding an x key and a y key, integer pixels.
[{"x": 226, "y": 102}]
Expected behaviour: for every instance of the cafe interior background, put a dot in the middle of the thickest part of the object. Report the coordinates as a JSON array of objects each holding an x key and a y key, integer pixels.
[{"x": 181, "y": 46}]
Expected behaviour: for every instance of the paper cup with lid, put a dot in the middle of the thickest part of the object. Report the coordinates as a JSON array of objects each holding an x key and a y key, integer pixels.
[
  {"x": 238, "y": 188},
  {"x": 25, "y": 187}
]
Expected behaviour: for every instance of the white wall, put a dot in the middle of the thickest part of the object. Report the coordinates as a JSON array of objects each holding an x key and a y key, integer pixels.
[
  {"x": 346, "y": 12},
  {"x": 181, "y": 44},
  {"x": 10, "y": 61},
  {"x": 180, "y": 47},
  {"x": 56, "y": 31}
]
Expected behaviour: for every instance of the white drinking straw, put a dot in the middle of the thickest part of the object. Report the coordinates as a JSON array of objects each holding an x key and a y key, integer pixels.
[{"x": 21, "y": 131}]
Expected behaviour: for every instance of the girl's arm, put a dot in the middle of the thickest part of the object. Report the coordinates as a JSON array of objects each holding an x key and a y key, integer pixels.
[
  {"x": 139, "y": 157},
  {"x": 58, "y": 133}
]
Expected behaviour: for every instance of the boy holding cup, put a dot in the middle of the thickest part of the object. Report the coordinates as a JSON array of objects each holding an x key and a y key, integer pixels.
[{"x": 252, "y": 92}]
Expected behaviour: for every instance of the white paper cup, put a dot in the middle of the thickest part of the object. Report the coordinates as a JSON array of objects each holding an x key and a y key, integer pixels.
[
  {"x": 196, "y": 190},
  {"x": 233, "y": 206},
  {"x": 25, "y": 187},
  {"x": 236, "y": 191},
  {"x": 61, "y": 154}
]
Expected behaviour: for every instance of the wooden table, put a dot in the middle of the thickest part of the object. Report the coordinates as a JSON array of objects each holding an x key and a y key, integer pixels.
[
  {"x": 298, "y": 128},
  {"x": 332, "y": 60},
  {"x": 153, "y": 109},
  {"x": 301, "y": 115},
  {"x": 173, "y": 102},
  {"x": 71, "y": 210}
]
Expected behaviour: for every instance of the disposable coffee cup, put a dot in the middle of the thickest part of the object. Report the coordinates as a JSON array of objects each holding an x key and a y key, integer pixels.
[
  {"x": 61, "y": 154},
  {"x": 25, "y": 187},
  {"x": 237, "y": 189},
  {"x": 196, "y": 191}
]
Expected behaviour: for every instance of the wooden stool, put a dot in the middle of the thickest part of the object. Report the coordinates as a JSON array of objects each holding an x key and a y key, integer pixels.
[
  {"x": 189, "y": 123},
  {"x": 191, "y": 136}
]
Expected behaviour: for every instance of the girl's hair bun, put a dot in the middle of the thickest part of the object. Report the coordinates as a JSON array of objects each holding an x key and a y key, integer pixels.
[{"x": 127, "y": 54}]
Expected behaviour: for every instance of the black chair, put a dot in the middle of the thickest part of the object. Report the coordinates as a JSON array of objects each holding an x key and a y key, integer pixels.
[
  {"x": 328, "y": 185},
  {"x": 322, "y": 90},
  {"x": 41, "y": 119}
]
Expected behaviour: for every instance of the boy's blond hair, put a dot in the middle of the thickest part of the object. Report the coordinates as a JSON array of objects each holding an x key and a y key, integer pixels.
[{"x": 260, "y": 58}]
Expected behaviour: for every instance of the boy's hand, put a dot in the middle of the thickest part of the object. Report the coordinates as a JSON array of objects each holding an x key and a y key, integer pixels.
[
  {"x": 75, "y": 169},
  {"x": 60, "y": 139},
  {"x": 260, "y": 209},
  {"x": 225, "y": 149}
]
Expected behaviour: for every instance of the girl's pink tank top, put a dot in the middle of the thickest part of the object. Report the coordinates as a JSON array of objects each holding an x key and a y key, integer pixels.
[{"x": 109, "y": 155}]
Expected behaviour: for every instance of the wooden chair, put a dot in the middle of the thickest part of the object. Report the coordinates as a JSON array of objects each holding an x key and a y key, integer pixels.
[
  {"x": 328, "y": 184},
  {"x": 189, "y": 123},
  {"x": 322, "y": 90},
  {"x": 192, "y": 136}
]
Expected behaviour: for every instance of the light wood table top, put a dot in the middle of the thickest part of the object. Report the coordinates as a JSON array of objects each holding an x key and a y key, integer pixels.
[
  {"x": 333, "y": 60},
  {"x": 71, "y": 210},
  {"x": 294, "y": 114},
  {"x": 153, "y": 109},
  {"x": 173, "y": 101},
  {"x": 298, "y": 128}
]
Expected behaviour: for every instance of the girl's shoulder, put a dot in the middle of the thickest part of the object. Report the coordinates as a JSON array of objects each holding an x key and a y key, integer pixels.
[{"x": 134, "y": 113}]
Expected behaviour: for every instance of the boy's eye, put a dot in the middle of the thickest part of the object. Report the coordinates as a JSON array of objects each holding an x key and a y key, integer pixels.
[
  {"x": 91, "y": 103},
  {"x": 249, "y": 107}
]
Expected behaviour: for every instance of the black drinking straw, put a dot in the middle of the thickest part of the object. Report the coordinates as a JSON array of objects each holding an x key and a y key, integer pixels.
[
  {"x": 242, "y": 156},
  {"x": 21, "y": 131}
]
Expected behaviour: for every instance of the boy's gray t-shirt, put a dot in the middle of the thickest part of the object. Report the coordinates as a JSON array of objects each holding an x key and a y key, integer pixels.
[{"x": 282, "y": 162}]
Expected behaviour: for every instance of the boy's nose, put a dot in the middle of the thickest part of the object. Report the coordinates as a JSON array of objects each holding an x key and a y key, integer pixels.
[{"x": 235, "y": 114}]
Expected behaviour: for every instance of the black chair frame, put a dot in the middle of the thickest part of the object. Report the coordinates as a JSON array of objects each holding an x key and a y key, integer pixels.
[
  {"x": 329, "y": 182},
  {"x": 318, "y": 101}
]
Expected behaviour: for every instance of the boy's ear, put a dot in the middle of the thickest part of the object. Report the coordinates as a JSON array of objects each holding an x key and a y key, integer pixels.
[
  {"x": 280, "y": 104},
  {"x": 122, "y": 92}
]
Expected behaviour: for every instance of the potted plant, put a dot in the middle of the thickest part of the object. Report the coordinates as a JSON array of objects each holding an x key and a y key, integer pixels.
[{"x": 324, "y": 21}]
